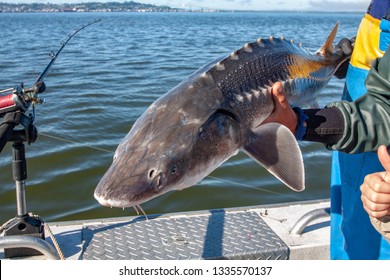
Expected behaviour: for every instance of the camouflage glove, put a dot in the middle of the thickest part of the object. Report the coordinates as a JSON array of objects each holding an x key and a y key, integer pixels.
[{"x": 344, "y": 46}]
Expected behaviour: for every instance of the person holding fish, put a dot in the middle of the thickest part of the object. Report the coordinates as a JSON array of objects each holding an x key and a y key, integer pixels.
[
  {"x": 352, "y": 128},
  {"x": 220, "y": 110}
]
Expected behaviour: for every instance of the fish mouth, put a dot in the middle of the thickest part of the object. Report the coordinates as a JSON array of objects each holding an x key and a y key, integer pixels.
[
  {"x": 112, "y": 202},
  {"x": 119, "y": 204}
]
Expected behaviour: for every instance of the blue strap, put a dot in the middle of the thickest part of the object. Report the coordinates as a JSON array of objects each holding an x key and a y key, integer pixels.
[
  {"x": 384, "y": 39},
  {"x": 301, "y": 127}
]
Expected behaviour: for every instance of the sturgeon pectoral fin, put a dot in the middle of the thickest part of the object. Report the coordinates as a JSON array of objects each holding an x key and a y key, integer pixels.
[{"x": 274, "y": 147}]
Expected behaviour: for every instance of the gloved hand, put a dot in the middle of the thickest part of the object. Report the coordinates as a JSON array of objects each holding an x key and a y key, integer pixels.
[{"x": 344, "y": 46}]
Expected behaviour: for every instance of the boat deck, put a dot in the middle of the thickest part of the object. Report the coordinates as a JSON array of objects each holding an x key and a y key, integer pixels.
[{"x": 262, "y": 232}]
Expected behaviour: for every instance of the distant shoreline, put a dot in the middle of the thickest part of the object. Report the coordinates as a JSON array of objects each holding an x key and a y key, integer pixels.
[
  {"x": 82, "y": 7},
  {"x": 131, "y": 6}
]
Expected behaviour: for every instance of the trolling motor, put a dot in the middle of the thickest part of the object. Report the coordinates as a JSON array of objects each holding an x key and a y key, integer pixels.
[{"x": 18, "y": 127}]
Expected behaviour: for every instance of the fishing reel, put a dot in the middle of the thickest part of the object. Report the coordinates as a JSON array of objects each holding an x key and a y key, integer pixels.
[
  {"x": 20, "y": 98},
  {"x": 13, "y": 107}
]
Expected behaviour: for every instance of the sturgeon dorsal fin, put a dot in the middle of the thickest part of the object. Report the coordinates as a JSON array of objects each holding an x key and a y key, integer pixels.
[{"x": 328, "y": 48}]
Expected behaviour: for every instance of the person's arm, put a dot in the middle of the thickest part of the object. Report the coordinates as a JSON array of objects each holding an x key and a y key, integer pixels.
[
  {"x": 322, "y": 125},
  {"x": 367, "y": 119}
]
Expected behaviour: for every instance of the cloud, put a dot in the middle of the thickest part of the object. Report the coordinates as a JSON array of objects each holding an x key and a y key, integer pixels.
[{"x": 348, "y": 6}]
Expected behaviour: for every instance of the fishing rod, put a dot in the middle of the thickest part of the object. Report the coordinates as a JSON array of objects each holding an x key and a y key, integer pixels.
[
  {"x": 13, "y": 108},
  {"x": 21, "y": 98}
]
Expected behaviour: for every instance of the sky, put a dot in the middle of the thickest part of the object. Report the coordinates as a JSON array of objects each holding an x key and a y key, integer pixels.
[{"x": 259, "y": 5}]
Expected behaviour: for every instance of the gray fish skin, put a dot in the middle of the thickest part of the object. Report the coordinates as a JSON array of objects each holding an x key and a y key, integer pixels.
[{"x": 216, "y": 112}]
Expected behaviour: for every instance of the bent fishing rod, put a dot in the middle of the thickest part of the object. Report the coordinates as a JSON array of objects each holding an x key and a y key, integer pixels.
[{"x": 19, "y": 99}]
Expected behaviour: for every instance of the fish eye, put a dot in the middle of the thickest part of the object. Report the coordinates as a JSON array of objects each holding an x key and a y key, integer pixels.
[{"x": 173, "y": 169}]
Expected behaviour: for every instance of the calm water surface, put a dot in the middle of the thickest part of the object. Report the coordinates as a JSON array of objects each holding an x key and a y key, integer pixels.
[{"x": 110, "y": 73}]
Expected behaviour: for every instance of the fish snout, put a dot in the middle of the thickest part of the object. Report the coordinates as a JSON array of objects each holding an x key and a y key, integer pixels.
[
  {"x": 102, "y": 201},
  {"x": 117, "y": 190}
]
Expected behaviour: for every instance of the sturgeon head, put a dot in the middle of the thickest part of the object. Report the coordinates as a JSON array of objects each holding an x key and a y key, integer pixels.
[{"x": 192, "y": 129}]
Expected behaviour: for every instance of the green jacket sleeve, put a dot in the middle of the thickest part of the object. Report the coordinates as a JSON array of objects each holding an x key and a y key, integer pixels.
[{"x": 367, "y": 119}]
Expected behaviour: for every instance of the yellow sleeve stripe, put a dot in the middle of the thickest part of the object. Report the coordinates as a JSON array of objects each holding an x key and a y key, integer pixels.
[{"x": 366, "y": 47}]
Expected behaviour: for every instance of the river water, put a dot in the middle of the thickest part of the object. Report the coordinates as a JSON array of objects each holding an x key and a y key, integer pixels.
[{"x": 110, "y": 73}]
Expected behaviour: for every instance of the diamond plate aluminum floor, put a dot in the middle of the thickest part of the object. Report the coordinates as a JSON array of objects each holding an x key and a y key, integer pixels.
[{"x": 215, "y": 235}]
